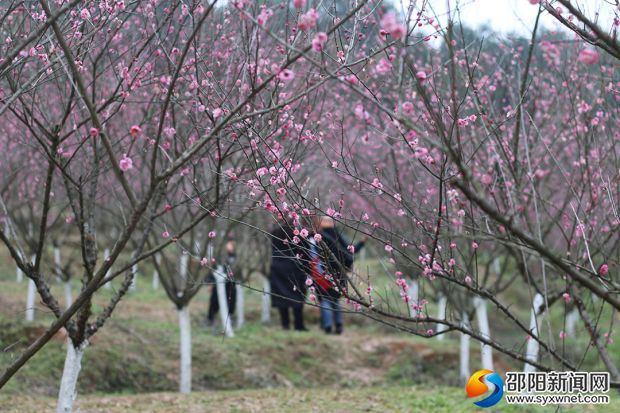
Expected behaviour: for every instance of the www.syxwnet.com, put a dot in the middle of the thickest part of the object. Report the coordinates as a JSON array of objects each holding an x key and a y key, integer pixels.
[{"x": 549, "y": 399}]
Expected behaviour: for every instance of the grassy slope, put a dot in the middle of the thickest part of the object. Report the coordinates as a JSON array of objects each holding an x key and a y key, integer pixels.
[
  {"x": 370, "y": 368},
  {"x": 371, "y": 399}
]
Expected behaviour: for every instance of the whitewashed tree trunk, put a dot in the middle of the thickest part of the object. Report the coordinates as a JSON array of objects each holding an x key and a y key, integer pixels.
[
  {"x": 265, "y": 313},
  {"x": 134, "y": 277},
  {"x": 7, "y": 228},
  {"x": 66, "y": 284},
  {"x": 19, "y": 274},
  {"x": 155, "y": 273},
  {"x": 486, "y": 352},
  {"x": 106, "y": 256},
  {"x": 68, "y": 294},
  {"x": 442, "y": 304},
  {"x": 185, "y": 347},
  {"x": 30, "y": 300},
  {"x": 363, "y": 254},
  {"x": 183, "y": 269},
  {"x": 496, "y": 266},
  {"x": 571, "y": 322},
  {"x": 464, "y": 350},
  {"x": 220, "y": 284},
  {"x": 414, "y": 292},
  {"x": 70, "y": 373},
  {"x": 531, "y": 351},
  {"x": 57, "y": 263},
  {"x": 240, "y": 310}
]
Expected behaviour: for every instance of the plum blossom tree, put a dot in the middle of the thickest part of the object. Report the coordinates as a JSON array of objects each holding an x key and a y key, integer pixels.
[
  {"x": 145, "y": 93},
  {"x": 476, "y": 171},
  {"x": 479, "y": 171}
]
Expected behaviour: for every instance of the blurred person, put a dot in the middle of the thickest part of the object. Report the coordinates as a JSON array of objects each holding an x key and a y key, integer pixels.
[
  {"x": 231, "y": 292},
  {"x": 329, "y": 268},
  {"x": 289, "y": 271}
]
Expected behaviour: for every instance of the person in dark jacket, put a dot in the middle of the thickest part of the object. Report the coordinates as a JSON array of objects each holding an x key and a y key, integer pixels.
[
  {"x": 231, "y": 291},
  {"x": 335, "y": 259},
  {"x": 289, "y": 270}
]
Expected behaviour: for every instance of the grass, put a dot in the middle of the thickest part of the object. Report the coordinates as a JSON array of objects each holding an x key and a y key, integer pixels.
[
  {"x": 132, "y": 363},
  {"x": 371, "y": 399}
]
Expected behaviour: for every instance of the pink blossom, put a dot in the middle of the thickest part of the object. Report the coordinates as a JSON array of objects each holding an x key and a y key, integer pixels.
[
  {"x": 588, "y": 56},
  {"x": 312, "y": 298},
  {"x": 408, "y": 107},
  {"x": 467, "y": 279},
  {"x": 566, "y": 297},
  {"x": 318, "y": 237},
  {"x": 331, "y": 212},
  {"x": 299, "y": 4},
  {"x": 563, "y": 334},
  {"x": 388, "y": 248},
  {"x": 308, "y": 281},
  {"x": 94, "y": 132},
  {"x": 125, "y": 163},
  {"x": 204, "y": 261},
  {"x": 421, "y": 75},
  {"x": 384, "y": 66},
  {"x": 603, "y": 270},
  {"x": 85, "y": 14},
  {"x": 486, "y": 179},
  {"x": 165, "y": 234},
  {"x": 212, "y": 234},
  {"x": 286, "y": 75},
  {"x": 217, "y": 112},
  {"x": 135, "y": 131},
  {"x": 308, "y": 20},
  {"x": 390, "y": 25},
  {"x": 170, "y": 132},
  {"x": 319, "y": 41},
  {"x": 263, "y": 16},
  {"x": 352, "y": 80},
  {"x": 304, "y": 233}
]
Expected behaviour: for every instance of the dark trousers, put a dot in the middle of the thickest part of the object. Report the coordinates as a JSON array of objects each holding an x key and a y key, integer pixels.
[
  {"x": 298, "y": 318},
  {"x": 231, "y": 299}
]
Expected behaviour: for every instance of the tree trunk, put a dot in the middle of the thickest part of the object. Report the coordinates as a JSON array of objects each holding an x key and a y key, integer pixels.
[
  {"x": 134, "y": 276},
  {"x": 106, "y": 256},
  {"x": 57, "y": 263},
  {"x": 183, "y": 269},
  {"x": 265, "y": 314},
  {"x": 155, "y": 273},
  {"x": 73, "y": 363},
  {"x": 220, "y": 284},
  {"x": 464, "y": 351},
  {"x": 240, "y": 310},
  {"x": 185, "y": 329},
  {"x": 68, "y": 294},
  {"x": 486, "y": 352},
  {"x": 32, "y": 288},
  {"x": 442, "y": 303},
  {"x": 19, "y": 274},
  {"x": 571, "y": 322},
  {"x": 531, "y": 352}
]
